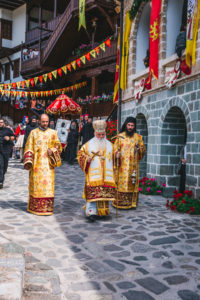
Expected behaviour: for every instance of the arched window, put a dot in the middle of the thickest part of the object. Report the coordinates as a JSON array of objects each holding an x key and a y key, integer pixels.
[
  {"x": 176, "y": 18},
  {"x": 142, "y": 40}
]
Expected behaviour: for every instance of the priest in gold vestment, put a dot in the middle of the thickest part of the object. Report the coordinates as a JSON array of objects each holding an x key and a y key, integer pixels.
[
  {"x": 96, "y": 160},
  {"x": 41, "y": 156},
  {"x": 129, "y": 149}
]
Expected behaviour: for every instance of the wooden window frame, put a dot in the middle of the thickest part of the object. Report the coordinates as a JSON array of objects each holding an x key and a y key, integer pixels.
[
  {"x": 6, "y": 34},
  {"x": 5, "y": 73},
  {"x": 16, "y": 73}
]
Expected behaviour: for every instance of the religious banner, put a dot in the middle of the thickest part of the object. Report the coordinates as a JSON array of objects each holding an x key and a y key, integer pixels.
[
  {"x": 82, "y": 14},
  {"x": 154, "y": 37},
  {"x": 139, "y": 88},
  {"x": 193, "y": 10},
  {"x": 172, "y": 74}
]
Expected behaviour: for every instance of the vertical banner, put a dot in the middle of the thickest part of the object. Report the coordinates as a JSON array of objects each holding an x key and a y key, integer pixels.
[
  {"x": 116, "y": 88},
  {"x": 82, "y": 14},
  {"x": 154, "y": 38},
  {"x": 125, "y": 50},
  {"x": 192, "y": 30}
]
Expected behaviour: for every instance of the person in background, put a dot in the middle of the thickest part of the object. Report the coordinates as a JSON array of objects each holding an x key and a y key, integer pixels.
[
  {"x": 7, "y": 137},
  {"x": 182, "y": 169},
  {"x": 52, "y": 124},
  {"x": 146, "y": 59},
  {"x": 20, "y": 133},
  {"x": 72, "y": 142},
  {"x": 32, "y": 125},
  {"x": 181, "y": 41},
  {"x": 87, "y": 130}
]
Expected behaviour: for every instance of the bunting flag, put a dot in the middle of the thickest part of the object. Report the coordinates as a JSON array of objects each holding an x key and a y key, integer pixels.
[
  {"x": 116, "y": 88},
  {"x": 82, "y": 14},
  {"x": 125, "y": 50},
  {"x": 193, "y": 10},
  {"x": 154, "y": 38},
  {"x": 53, "y": 74}
]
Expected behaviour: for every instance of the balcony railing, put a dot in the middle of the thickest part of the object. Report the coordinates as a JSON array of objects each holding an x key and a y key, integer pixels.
[
  {"x": 30, "y": 65},
  {"x": 35, "y": 34}
]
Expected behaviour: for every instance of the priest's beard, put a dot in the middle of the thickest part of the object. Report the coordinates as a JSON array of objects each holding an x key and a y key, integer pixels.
[
  {"x": 130, "y": 133},
  {"x": 100, "y": 144}
]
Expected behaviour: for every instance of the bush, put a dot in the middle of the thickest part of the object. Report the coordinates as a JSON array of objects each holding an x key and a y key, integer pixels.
[
  {"x": 149, "y": 186},
  {"x": 184, "y": 203},
  {"x": 111, "y": 130}
]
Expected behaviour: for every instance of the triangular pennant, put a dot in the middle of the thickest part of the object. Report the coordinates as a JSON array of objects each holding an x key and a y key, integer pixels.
[
  {"x": 9, "y": 86},
  {"x": 14, "y": 85},
  {"x": 41, "y": 78},
  {"x": 74, "y": 64},
  {"x": 23, "y": 84},
  {"x": 88, "y": 56},
  {"x": 18, "y": 84},
  {"x": 36, "y": 94},
  {"x": 69, "y": 67},
  {"x": 8, "y": 93},
  {"x": 93, "y": 53},
  {"x": 97, "y": 49},
  {"x": 20, "y": 94},
  {"x": 14, "y": 93},
  {"x": 59, "y": 72},
  {"x": 5, "y": 86},
  {"x": 31, "y": 94},
  {"x": 50, "y": 76},
  {"x": 27, "y": 83},
  {"x": 41, "y": 93},
  {"x": 108, "y": 43},
  {"x": 55, "y": 73},
  {"x": 32, "y": 81},
  {"x": 23, "y": 94},
  {"x": 45, "y": 76},
  {"x": 35, "y": 80},
  {"x": 2, "y": 92},
  {"x": 51, "y": 92},
  {"x": 103, "y": 47},
  {"x": 64, "y": 68},
  {"x": 78, "y": 61},
  {"x": 83, "y": 59}
]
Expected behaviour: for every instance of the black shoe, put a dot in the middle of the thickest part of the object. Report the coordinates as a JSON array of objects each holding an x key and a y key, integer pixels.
[
  {"x": 1, "y": 185},
  {"x": 92, "y": 218}
]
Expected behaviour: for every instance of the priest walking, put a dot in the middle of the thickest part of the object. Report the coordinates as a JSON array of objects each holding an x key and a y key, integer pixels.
[
  {"x": 41, "y": 156},
  {"x": 129, "y": 149},
  {"x": 96, "y": 160}
]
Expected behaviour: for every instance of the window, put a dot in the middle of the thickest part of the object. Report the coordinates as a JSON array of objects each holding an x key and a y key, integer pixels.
[
  {"x": 7, "y": 72},
  {"x": 6, "y": 29},
  {"x": 16, "y": 68}
]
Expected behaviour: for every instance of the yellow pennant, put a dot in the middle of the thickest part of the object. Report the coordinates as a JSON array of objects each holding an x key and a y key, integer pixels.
[
  {"x": 27, "y": 83},
  {"x": 18, "y": 84},
  {"x": 64, "y": 68},
  {"x": 45, "y": 76},
  {"x": 82, "y": 14},
  {"x": 55, "y": 73},
  {"x": 31, "y": 94},
  {"x": 74, "y": 64},
  {"x": 83, "y": 59},
  {"x": 35, "y": 80},
  {"x": 103, "y": 47},
  {"x": 9, "y": 86},
  {"x": 93, "y": 53}
]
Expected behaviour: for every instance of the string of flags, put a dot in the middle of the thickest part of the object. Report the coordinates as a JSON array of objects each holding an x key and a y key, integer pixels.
[
  {"x": 60, "y": 71},
  {"x": 38, "y": 94}
]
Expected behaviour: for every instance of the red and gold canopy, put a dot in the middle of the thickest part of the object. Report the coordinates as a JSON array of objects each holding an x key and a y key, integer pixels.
[{"x": 62, "y": 105}]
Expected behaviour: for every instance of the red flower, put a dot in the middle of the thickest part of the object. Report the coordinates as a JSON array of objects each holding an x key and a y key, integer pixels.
[
  {"x": 189, "y": 193},
  {"x": 183, "y": 201},
  {"x": 175, "y": 191},
  {"x": 173, "y": 207},
  {"x": 192, "y": 208}
]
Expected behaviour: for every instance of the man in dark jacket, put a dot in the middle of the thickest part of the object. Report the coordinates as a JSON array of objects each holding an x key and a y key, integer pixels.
[
  {"x": 87, "y": 131},
  {"x": 72, "y": 142},
  {"x": 32, "y": 125},
  {"x": 181, "y": 41},
  {"x": 6, "y": 143}
]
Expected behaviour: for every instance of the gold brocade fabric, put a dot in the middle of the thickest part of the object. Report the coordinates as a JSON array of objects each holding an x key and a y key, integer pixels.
[
  {"x": 126, "y": 200},
  {"x": 129, "y": 162},
  {"x": 41, "y": 177}
]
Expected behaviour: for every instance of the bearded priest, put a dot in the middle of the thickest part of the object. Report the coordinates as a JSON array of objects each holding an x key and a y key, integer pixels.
[
  {"x": 129, "y": 149},
  {"x": 96, "y": 160}
]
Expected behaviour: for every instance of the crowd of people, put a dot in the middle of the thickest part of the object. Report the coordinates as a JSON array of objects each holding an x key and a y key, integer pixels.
[{"x": 30, "y": 53}]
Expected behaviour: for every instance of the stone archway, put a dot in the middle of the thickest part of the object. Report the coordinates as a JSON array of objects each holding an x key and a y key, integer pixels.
[
  {"x": 173, "y": 139},
  {"x": 142, "y": 129}
]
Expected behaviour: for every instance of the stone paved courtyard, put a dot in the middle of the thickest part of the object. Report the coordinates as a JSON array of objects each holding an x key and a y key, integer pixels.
[{"x": 147, "y": 254}]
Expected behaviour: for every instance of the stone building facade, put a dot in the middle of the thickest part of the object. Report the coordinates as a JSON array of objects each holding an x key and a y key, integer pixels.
[{"x": 168, "y": 119}]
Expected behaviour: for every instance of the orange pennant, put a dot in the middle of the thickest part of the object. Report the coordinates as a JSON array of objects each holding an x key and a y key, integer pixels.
[
  {"x": 59, "y": 72},
  {"x": 41, "y": 78},
  {"x": 78, "y": 61},
  {"x": 23, "y": 84},
  {"x": 108, "y": 43},
  {"x": 88, "y": 56},
  {"x": 50, "y": 75},
  {"x": 69, "y": 67}
]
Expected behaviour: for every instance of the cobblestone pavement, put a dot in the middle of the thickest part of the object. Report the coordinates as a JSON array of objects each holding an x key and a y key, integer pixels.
[{"x": 147, "y": 254}]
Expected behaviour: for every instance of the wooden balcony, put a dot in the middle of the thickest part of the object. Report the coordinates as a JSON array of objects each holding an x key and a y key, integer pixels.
[
  {"x": 30, "y": 66},
  {"x": 33, "y": 36}
]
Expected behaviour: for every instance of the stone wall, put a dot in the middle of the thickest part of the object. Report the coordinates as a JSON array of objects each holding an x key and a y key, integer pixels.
[{"x": 172, "y": 117}]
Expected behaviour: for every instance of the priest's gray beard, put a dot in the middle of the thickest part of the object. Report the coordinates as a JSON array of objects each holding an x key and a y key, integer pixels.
[{"x": 100, "y": 144}]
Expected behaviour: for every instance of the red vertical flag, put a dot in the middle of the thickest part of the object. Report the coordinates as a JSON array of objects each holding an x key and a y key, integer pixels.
[
  {"x": 116, "y": 88},
  {"x": 154, "y": 37}
]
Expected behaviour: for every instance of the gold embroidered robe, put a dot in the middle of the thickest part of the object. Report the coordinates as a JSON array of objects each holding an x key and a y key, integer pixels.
[
  {"x": 127, "y": 192},
  {"x": 99, "y": 175},
  {"x": 41, "y": 165}
]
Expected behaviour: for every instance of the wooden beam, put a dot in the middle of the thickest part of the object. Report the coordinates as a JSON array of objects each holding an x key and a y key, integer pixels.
[
  {"x": 55, "y": 9},
  {"x": 112, "y": 26}
]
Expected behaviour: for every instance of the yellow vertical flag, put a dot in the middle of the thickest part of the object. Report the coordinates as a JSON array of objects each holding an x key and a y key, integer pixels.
[
  {"x": 82, "y": 14},
  {"x": 193, "y": 11},
  {"x": 125, "y": 50}
]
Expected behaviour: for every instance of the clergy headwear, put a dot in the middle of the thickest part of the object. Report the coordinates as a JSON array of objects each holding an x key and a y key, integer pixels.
[
  {"x": 128, "y": 120},
  {"x": 99, "y": 126}
]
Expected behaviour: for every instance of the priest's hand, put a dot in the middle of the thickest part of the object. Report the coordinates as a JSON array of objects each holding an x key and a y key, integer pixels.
[
  {"x": 27, "y": 166},
  {"x": 89, "y": 159},
  {"x": 6, "y": 138},
  {"x": 118, "y": 154},
  {"x": 49, "y": 152}
]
